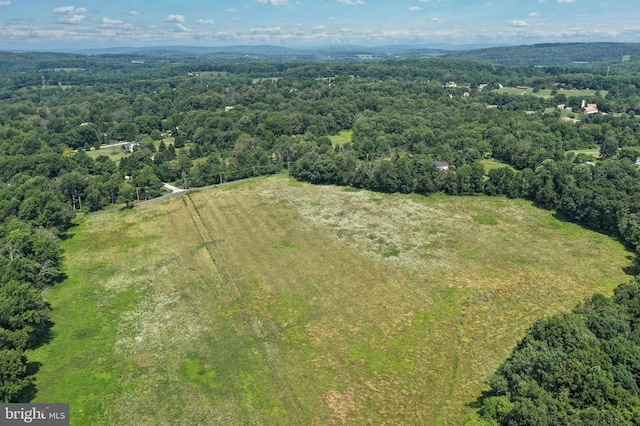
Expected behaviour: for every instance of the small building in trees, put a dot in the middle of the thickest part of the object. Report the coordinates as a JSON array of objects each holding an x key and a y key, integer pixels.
[
  {"x": 443, "y": 166},
  {"x": 131, "y": 146},
  {"x": 591, "y": 109}
]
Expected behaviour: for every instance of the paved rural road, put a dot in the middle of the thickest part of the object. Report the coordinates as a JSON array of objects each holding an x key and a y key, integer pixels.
[
  {"x": 173, "y": 189},
  {"x": 111, "y": 145},
  {"x": 179, "y": 191}
]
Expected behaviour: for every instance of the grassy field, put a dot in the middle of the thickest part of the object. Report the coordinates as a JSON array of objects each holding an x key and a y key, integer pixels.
[
  {"x": 211, "y": 73},
  {"x": 116, "y": 152},
  {"x": 276, "y": 302},
  {"x": 493, "y": 164},
  {"x": 594, "y": 151},
  {"x": 341, "y": 138},
  {"x": 546, "y": 93},
  {"x": 113, "y": 152}
]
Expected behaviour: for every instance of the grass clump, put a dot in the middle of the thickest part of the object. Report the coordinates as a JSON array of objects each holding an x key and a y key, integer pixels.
[
  {"x": 198, "y": 371},
  {"x": 485, "y": 220}
]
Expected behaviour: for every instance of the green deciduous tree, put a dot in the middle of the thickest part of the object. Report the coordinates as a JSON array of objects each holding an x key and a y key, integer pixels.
[
  {"x": 24, "y": 316},
  {"x": 609, "y": 147},
  {"x": 74, "y": 186},
  {"x": 126, "y": 193},
  {"x": 13, "y": 375}
]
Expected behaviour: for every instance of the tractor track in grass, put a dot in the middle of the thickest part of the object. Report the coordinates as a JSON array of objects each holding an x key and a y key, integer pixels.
[{"x": 265, "y": 332}]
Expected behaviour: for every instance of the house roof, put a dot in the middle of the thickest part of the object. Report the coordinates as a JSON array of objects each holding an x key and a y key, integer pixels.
[{"x": 442, "y": 165}]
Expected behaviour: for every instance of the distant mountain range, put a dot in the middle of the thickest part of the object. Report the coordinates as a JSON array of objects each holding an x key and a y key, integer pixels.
[
  {"x": 536, "y": 54},
  {"x": 278, "y": 52},
  {"x": 553, "y": 53}
]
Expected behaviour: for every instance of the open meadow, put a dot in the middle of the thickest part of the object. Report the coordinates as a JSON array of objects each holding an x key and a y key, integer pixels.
[
  {"x": 282, "y": 303},
  {"x": 114, "y": 152},
  {"x": 548, "y": 93}
]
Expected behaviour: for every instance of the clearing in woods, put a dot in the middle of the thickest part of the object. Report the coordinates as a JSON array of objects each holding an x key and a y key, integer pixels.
[
  {"x": 277, "y": 302},
  {"x": 341, "y": 138}
]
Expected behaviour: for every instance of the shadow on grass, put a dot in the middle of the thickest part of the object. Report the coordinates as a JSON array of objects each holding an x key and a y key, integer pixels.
[
  {"x": 42, "y": 336},
  {"x": 65, "y": 235},
  {"x": 30, "y": 391},
  {"x": 563, "y": 218},
  {"x": 631, "y": 270},
  {"x": 478, "y": 404},
  {"x": 634, "y": 268}
]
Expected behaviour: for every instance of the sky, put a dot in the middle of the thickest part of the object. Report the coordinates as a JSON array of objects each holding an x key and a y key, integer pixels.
[{"x": 56, "y": 24}]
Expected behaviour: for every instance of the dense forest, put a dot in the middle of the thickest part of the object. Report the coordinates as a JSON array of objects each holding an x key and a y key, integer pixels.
[{"x": 415, "y": 125}]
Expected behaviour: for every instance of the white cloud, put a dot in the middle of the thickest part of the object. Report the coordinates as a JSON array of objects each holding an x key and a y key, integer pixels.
[
  {"x": 25, "y": 33},
  {"x": 70, "y": 14},
  {"x": 112, "y": 22},
  {"x": 566, "y": 1},
  {"x": 79, "y": 24},
  {"x": 273, "y": 2},
  {"x": 267, "y": 31},
  {"x": 63, "y": 10},
  {"x": 174, "y": 18},
  {"x": 518, "y": 24},
  {"x": 5, "y": 3},
  {"x": 71, "y": 19},
  {"x": 348, "y": 2}
]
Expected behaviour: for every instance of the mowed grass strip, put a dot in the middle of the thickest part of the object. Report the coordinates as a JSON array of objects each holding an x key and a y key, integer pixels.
[{"x": 275, "y": 302}]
